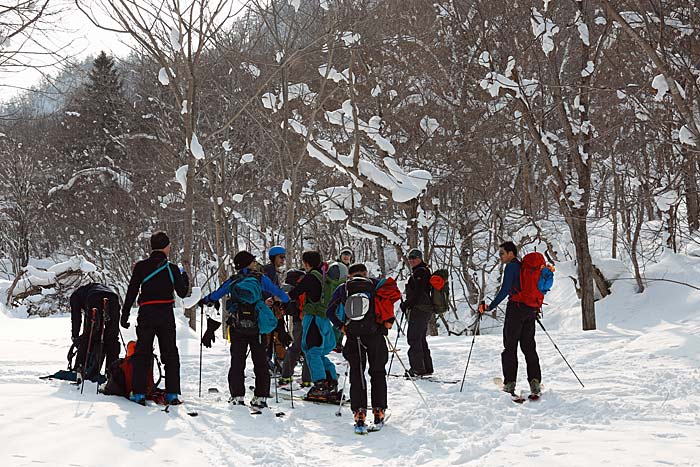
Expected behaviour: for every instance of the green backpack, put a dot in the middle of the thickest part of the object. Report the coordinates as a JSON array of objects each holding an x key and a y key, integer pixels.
[
  {"x": 440, "y": 297},
  {"x": 328, "y": 287}
]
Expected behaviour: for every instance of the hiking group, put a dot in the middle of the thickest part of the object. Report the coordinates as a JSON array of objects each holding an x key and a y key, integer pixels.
[{"x": 282, "y": 318}]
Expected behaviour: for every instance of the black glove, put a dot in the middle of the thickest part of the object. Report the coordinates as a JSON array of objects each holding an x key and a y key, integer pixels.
[
  {"x": 206, "y": 302},
  {"x": 403, "y": 307},
  {"x": 210, "y": 334},
  {"x": 124, "y": 321},
  {"x": 75, "y": 339}
]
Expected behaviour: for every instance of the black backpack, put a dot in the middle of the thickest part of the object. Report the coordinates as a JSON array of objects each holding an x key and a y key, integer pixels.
[{"x": 360, "y": 319}]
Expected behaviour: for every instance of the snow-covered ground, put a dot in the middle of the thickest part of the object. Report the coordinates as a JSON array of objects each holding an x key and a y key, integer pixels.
[{"x": 639, "y": 407}]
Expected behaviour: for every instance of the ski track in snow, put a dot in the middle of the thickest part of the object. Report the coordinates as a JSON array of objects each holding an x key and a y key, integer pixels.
[{"x": 639, "y": 406}]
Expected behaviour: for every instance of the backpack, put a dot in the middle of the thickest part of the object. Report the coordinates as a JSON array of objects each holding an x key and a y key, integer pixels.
[
  {"x": 121, "y": 372},
  {"x": 536, "y": 279},
  {"x": 440, "y": 293},
  {"x": 360, "y": 317},
  {"x": 245, "y": 294},
  {"x": 328, "y": 286}
]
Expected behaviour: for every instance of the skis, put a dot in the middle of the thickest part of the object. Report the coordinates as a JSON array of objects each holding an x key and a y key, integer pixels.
[
  {"x": 430, "y": 378},
  {"x": 517, "y": 398},
  {"x": 191, "y": 413}
]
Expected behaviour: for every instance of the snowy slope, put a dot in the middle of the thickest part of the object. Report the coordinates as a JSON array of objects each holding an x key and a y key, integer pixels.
[{"x": 639, "y": 406}]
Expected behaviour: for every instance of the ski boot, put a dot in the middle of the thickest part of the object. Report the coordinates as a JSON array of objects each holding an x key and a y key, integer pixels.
[
  {"x": 535, "y": 389},
  {"x": 360, "y": 426},
  {"x": 306, "y": 384},
  {"x": 236, "y": 400},
  {"x": 172, "y": 398},
  {"x": 138, "y": 398},
  {"x": 509, "y": 388},
  {"x": 259, "y": 402},
  {"x": 284, "y": 381}
]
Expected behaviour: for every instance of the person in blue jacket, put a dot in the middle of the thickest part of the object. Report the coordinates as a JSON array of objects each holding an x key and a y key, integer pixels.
[
  {"x": 249, "y": 320},
  {"x": 519, "y": 325}
]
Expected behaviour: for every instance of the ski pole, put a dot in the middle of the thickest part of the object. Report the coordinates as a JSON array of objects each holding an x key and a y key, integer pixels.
[
  {"x": 122, "y": 339},
  {"x": 396, "y": 341},
  {"x": 342, "y": 390},
  {"x": 393, "y": 349},
  {"x": 201, "y": 336},
  {"x": 562, "y": 355},
  {"x": 476, "y": 328},
  {"x": 87, "y": 351},
  {"x": 101, "y": 344},
  {"x": 274, "y": 366}
]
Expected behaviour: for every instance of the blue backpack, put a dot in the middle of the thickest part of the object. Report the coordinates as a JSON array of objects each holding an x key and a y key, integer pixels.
[{"x": 250, "y": 316}]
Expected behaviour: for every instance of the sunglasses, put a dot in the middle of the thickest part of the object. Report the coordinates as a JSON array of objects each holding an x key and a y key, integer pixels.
[
  {"x": 281, "y": 256},
  {"x": 501, "y": 254}
]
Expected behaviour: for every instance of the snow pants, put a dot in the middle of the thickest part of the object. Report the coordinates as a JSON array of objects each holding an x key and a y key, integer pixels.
[
  {"x": 519, "y": 327},
  {"x": 156, "y": 321},
  {"x": 293, "y": 354},
  {"x": 418, "y": 352},
  {"x": 106, "y": 350},
  {"x": 236, "y": 374},
  {"x": 317, "y": 341},
  {"x": 358, "y": 351}
]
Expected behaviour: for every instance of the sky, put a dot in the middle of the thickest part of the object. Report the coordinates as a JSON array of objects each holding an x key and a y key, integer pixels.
[{"x": 77, "y": 37}]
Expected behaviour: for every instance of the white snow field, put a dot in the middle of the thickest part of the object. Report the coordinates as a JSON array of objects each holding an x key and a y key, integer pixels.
[{"x": 640, "y": 405}]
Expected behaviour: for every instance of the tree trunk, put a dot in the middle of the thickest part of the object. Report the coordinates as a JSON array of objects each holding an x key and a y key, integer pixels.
[
  {"x": 188, "y": 231},
  {"x": 381, "y": 259},
  {"x": 579, "y": 235},
  {"x": 690, "y": 180}
]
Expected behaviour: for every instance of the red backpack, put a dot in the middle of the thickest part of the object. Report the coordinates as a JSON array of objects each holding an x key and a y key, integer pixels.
[{"x": 530, "y": 269}]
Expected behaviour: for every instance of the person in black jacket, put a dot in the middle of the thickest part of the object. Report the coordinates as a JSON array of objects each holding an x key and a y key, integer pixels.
[
  {"x": 155, "y": 280},
  {"x": 100, "y": 346},
  {"x": 419, "y": 307}
]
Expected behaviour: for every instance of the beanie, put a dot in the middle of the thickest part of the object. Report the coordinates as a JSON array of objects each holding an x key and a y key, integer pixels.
[
  {"x": 242, "y": 260},
  {"x": 159, "y": 240}
]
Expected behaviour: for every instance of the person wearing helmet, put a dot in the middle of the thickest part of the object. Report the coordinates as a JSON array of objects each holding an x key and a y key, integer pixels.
[{"x": 277, "y": 255}]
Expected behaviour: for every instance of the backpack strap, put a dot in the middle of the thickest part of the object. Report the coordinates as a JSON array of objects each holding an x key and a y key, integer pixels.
[{"x": 159, "y": 269}]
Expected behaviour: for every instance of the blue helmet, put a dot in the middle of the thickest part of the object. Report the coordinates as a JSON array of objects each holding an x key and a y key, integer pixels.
[{"x": 276, "y": 250}]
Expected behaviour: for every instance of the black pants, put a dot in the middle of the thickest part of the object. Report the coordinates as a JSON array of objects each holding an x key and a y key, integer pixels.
[
  {"x": 236, "y": 374},
  {"x": 370, "y": 349},
  {"x": 293, "y": 354},
  {"x": 418, "y": 351},
  {"x": 156, "y": 321},
  {"x": 519, "y": 327},
  {"x": 103, "y": 348}
]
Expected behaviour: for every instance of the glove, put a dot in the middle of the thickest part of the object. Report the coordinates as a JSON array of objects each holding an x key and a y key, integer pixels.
[
  {"x": 482, "y": 308},
  {"x": 205, "y": 301},
  {"x": 124, "y": 321},
  {"x": 403, "y": 307},
  {"x": 388, "y": 324},
  {"x": 209, "y": 335},
  {"x": 75, "y": 339}
]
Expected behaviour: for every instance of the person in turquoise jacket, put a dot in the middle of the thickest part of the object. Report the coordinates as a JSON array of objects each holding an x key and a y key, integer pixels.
[{"x": 318, "y": 338}]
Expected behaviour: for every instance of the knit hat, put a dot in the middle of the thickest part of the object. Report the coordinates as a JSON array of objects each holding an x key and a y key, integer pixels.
[
  {"x": 159, "y": 240},
  {"x": 242, "y": 260},
  {"x": 357, "y": 267},
  {"x": 347, "y": 250},
  {"x": 415, "y": 253}
]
